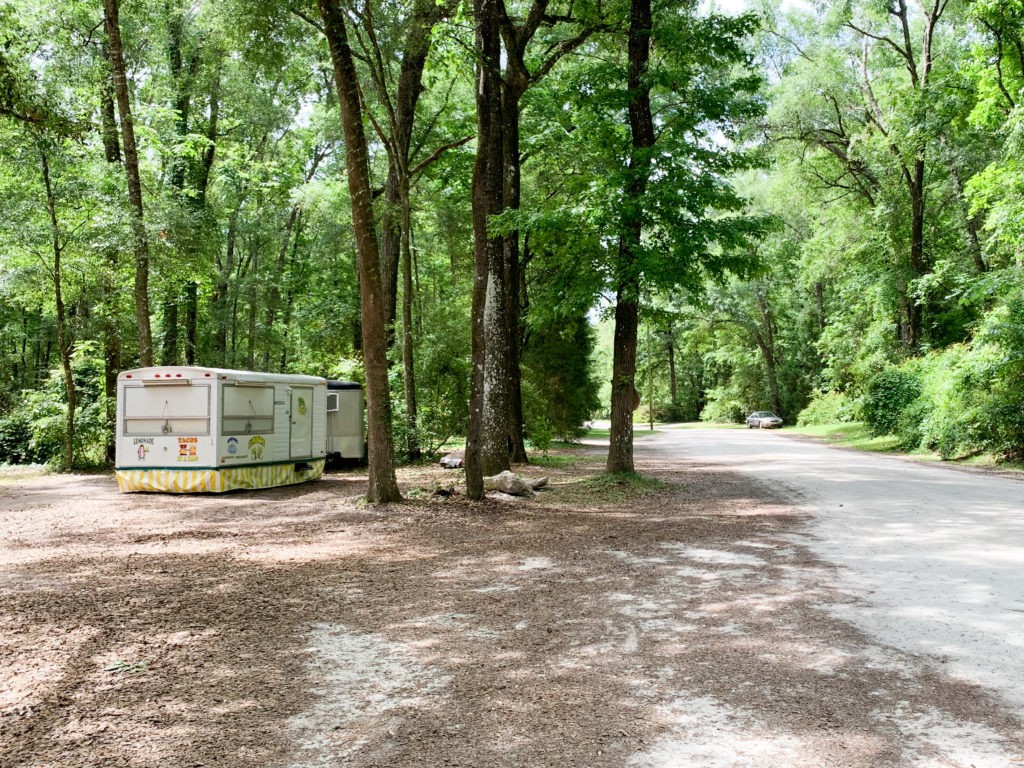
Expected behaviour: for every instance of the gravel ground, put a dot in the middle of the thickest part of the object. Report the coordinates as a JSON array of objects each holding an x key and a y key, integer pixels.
[{"x": 682, "y": 626}]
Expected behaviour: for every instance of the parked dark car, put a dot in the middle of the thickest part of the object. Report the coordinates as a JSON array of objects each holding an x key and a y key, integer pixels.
[{"x": 763, "y": 420}]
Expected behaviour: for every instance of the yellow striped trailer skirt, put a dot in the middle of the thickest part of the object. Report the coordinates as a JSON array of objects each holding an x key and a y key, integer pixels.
[{"x": 216, "y": 480}]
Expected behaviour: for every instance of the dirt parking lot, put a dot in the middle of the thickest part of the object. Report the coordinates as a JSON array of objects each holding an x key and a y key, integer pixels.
[{"x": 587, "y": 627}]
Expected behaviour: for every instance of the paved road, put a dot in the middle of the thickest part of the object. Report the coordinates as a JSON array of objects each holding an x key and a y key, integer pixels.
[{"x": 934, "y": 554}]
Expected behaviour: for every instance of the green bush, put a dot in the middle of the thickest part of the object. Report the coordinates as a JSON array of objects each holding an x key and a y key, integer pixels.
[
  {"x": 559, "y": 388},
  {"x": 16, "y": 446},
  {"x": 723, "y": 408},
  {"x": 995, "y": 378},
  {"x": 828, "y": 408},
  {"x": 962, "y": 400},
  {"x": 673, "y": 412},
  {"x": 949, "y": 426},
  {"x": 541, "y": 434},
  {"x": 887, "y": 395}
]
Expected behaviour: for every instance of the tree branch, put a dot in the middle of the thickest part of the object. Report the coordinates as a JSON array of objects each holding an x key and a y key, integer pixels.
[{"x": 436, "y": 154}]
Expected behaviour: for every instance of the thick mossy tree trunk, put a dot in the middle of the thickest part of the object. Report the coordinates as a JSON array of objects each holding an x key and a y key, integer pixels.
[
  {"x": 383, "y": 486},
  {"x": 641, "y": 127},
  {"x": 115, "y": 49},
  {"x": 487, "y": 251}
]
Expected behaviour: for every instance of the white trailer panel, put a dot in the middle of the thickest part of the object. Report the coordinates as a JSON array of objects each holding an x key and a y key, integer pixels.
[{"x": 187, "y": 428}]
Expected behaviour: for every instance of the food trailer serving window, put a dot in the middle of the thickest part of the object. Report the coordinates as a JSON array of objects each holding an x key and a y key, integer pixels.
[
  {"x": 167, "y": 409},
  {"x": 248, "y": 409}
]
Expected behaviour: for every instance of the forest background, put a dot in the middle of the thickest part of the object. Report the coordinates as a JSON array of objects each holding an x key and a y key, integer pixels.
[{"x": 815, "y": 209}]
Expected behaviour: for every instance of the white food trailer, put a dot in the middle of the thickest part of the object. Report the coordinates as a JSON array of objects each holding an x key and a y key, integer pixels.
[{"x": 188, "y": 429}]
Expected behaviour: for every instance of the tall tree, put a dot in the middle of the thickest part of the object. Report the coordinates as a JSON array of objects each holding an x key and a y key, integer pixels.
[
  {"x": 918, "y": 61},
  {"x": 625, "y": 397},
  {"x": 115, "y": 48},
  {"x": 565, "y": 34},
  {"x": 487, "y": 418},
  {"x": 383, "y": 486},
  {"x": 64, "y": 341}
]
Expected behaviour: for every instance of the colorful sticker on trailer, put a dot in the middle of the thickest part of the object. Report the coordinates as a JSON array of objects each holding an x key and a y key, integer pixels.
[
  {"x": 256, "y": 446},
  {"x": 188, "y": 449}
]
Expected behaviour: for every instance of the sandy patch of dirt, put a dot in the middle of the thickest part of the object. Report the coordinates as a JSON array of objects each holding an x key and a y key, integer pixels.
[{"x": 296, "y": 628}]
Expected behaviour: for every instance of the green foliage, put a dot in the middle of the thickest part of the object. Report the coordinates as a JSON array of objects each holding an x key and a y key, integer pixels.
[
  {"x": 559, "y": 389},
  {"x": 723, "y": 407},
  {"x": 829, "y": 408},
  {"x": 443, "y": 378},
  {"x": 774, "y": 272},
  {"x": 1000, "y": 378},
  {"x": 540, "y": 433},
  {"x": 976, "y": 392},
  {"x": 887, "y": 398},
  {"x": 33, "y": 429}
]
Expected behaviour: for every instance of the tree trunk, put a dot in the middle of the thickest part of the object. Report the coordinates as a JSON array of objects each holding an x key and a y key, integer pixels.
[
  {"x": 487, "y": 194},
  {"x": 115, "y": 48},
  {"x": 169, "y": 333},
  {"x": 918, "y": 266},
  {"x": 673, "y": 379},
  {"x": 512, "y": 264},
  {"x": 625, "y": 397},
  {"x": 766, "y": 341},
  {"x": 426, "y": 14},
  {"x": 191, "y": 320},
  {"x": 111, "y": 334},
  {"x": 641, "y": 128},
  {"x": 252, "y": 298},
  {"x": 819, "y": 303},
  {"x": 383, "y": 486},
  {"x": 276, "y": 280},
  {"x": 64, "y": 344},
  {"x": 408, "y": 367},
  {"x": 219, "y": 301},
  {"x": 972, "y": 224},
  {"x": 286, "y": 316}
]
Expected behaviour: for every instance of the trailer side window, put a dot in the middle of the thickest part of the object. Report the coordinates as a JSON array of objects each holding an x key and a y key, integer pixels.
[
  {"x": 248, "y": 409},
  {"x": 175, "y": 409}
]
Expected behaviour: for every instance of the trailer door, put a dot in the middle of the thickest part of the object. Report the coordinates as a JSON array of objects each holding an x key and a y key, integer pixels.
[{"x": 301, "y": 410}]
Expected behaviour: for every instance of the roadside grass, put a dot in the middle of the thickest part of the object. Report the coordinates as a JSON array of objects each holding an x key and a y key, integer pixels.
[
  {"x": 988, "y": 461},
  {"x": 600, "y": 433},
  {"x": 853, "y": 434},
  {"x": 12, "y": 473},
  {"x": 856, "y": 435}
]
